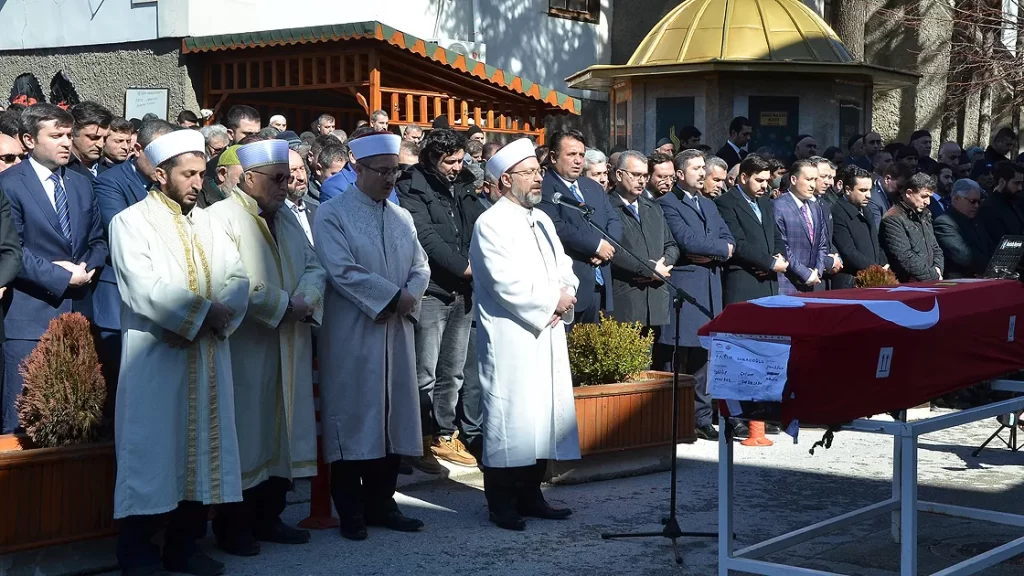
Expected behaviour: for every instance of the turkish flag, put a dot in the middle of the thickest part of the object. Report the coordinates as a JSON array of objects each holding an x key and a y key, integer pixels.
[{"x": 864, "y": 351}]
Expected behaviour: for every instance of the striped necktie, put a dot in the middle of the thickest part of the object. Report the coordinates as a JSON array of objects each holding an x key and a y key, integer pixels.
[{"x": 60, "y": 199}]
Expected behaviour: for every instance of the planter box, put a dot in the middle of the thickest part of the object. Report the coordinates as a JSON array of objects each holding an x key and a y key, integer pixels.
[
  {"x": 54, "y": 495},
  {"x": 614, "y": 417}
]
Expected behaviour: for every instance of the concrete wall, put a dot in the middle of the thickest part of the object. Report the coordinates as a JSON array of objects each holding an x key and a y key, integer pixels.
[
  {"x": 103, "y": 73},
  {"x": 32, "y": 24}
]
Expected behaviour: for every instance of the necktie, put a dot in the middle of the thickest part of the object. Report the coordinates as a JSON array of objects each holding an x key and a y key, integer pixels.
[
  {"x": 756, "y": 209},
  {"x": 806, "y": 212},
  {"x": 575, "y": 192},
  {"x": 598, "y": 277},
  {"x": 696, "y": 203},
  {"x": 635, "y": 210},
  {"x": 60, "y": 199}
]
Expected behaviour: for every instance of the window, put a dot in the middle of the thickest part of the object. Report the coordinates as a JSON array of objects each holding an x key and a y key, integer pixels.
[{"x": 583, "y": 10}]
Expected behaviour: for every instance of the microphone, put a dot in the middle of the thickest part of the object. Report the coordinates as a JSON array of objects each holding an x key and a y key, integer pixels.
[{"x": 559, "y": 198}]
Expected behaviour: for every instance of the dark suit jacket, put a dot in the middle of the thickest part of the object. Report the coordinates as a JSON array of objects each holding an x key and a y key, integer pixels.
[
  {"x": 748, "y": 274},
  {"x": 42, "y": 290},
  {"x": 909, "y": 244},
  {"x": 730, "y": 156},
  {"x": 803, "y": 252},
  {"x": 116, "y": 189},
  {"x": 937, "y": 208},
  {"x": 966, "y": 248},
  {"x": 698, "y": 234},
  {"x": 76, "y": 165},
  {"x": 637, "y": 297},
  {"x": 1001, "y": 215},
  {"x": 311, "y": 205},
  {"x": 10, "y": 257},
  {"x": 880, "y": 202},
  {"x": 856, "y": 238},
  {"x": 579, "y": 240}
]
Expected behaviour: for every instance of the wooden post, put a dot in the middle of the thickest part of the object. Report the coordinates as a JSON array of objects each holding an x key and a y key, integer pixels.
[
  {"x": 394, "y": 112},
  {"x": 423, "y": 109},
  {"x": 477, "y": 119},
  {"x": 375, "y": 97},
  {"x": 437, "y": 107},
  {"x": 490, "y": 118},
  {"x": 451, "y": 112},
  {"x": 464, "y": 114},
  {"x": 410, "y": 108}
]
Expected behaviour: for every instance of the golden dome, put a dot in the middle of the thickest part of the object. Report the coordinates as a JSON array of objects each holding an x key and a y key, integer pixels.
[{"x": 740, "y": 30}]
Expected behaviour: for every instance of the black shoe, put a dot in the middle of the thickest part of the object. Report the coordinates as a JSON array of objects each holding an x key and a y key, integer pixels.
[
  {"x": 404, "y": 467},
  {"x": 511, "y": 521},
  {"x": 772, "y": 429},
  {"x": 545, "y": 511},
  {"x": 354, "y": 528},
  {"x": 280, "y": 533},
  {"x": 197, "y": 563},
  {"x": 740, "y": 430},
  {"x": 242, "y": 544},
  {"x": 155, "y": 570},
  {"x": 395, "y": 520},
  {"x": 707, "y": 432}
]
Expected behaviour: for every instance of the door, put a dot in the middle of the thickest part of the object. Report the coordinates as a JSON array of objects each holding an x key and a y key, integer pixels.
[{"x": 776, "y": 121}]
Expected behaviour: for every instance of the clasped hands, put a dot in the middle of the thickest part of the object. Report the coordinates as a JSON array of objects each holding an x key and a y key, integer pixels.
[
  {"x": 216, "y": 322},
  {"x": 406, "y": 302},
  {"x": 604, "y": 253},
  {"x": 79, "y": 276},
  {"x": 565, "y": 302}
]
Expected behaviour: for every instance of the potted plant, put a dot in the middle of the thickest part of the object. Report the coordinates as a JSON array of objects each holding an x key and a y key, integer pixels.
[
  {"x": 57, "y": 479},
  {"x": 620, "y": 403},
  {"x": 875, "y": 276}
]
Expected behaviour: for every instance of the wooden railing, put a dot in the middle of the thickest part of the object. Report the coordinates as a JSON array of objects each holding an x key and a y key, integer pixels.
[
  {"x": 291, "y": 72},
  {"x": 420, "y": 107}
]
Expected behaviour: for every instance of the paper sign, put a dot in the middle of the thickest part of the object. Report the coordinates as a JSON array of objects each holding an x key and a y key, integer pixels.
[
  {"x": 140, "y": 101},
  {"x": 774, "y": 118},
  {"x": 745, "y": 369}
]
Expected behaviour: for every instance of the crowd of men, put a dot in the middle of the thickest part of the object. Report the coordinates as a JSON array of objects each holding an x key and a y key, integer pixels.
[{"x": 215, "y": 261}]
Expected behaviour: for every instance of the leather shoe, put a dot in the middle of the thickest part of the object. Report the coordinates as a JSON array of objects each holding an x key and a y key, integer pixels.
[
  {"x": 545, "y": 511},
  {"x": 156, "y": 570},
  {"x": 395, "y": 520},
  {"x": 740, "y": 430},
  {"x": 198, "y": 564},
  {"x": 353, "y": 528},
  {"x": 707, "y": 432},
  {"x": 772, "y": 429},
  {"x": 509, "y": 521},
  {"x": 279, "y": 533},
  {"x": 404, "y": 467},
  {"x": 239, "y": 545}
]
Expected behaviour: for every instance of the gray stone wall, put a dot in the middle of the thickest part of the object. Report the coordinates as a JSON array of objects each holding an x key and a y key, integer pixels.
[{"x": 104, "y": 73}]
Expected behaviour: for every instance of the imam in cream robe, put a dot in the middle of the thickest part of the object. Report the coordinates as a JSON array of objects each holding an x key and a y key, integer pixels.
[
  {"x": 273, "y": 367},
  {"x": 519, "y": 269},
  {"x": 174, "y": 427},
  {"x": 370, "y": 404}
]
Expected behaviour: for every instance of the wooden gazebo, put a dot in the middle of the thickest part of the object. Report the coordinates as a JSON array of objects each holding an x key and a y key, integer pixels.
[{"x": 350, "y": 70}]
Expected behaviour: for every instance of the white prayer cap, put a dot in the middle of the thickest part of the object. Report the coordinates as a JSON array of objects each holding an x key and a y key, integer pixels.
[
  {"x": 262, "y": 153},
  {"x": 174, "y": 143},
  {"x": 375, "y": 145},
  {"x": 509, "y": 155}
]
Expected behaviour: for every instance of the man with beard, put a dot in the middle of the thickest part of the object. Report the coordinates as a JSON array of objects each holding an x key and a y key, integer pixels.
[
  {"x": 117, "y": 147},
  {"x": 92, "y": 124},
  {"x": 303, "y": 208},
  {"x": 224, "y": 178},
  {"x": 943, "y": 174},
  {"x": 272, "y": 351},
  {"x": 184, "y": 294},
  {"x": 440, "y": 194},
  {"x": 1001, "y": 212},
  {"x": 377, "y": 277},
  {"x": 525, "y": 292},
  {"x": 661, "y": 174},
  {"x": 854, "y": 232}
]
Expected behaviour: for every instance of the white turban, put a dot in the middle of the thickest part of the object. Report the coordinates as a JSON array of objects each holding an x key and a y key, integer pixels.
[
  {"x": 262, "y": 153},
  {"x": 509, "y": 155},
  {"x": 375, "y": 145},
  {"x": 172, "y": 144}
]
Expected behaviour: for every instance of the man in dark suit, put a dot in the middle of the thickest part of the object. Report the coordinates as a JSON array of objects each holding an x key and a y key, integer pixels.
[
  {"x": 10, "y": 265},
  {"x": 116, "y": 189},
  {"x": 92, "y": 124},
  {"x": 705, "y": 243},
  {"x": 823, "y": 199},
  {"x": 943, "y": 174},
  {"x": 1001, "y": 212},
  {"x": 854, "y": 232},
  {"x": 803, "y": 231},
  {"x": 966, "y": 248},
  {"x": 639, "y": 296},
  {"x": 590, "y": 252},
  {"x": 298, "y": 203},
  {"x": 892, "y": 178},
  {"x": 734, "y": 150},
  {"x": 55, "y": 213},
  {"x": 757, "y": 260}
]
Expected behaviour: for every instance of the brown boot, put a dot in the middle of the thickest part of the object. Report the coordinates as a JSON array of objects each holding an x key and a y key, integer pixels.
[
  {"x": 427, "y": 463},
  {"x": 453, "y": 450}
]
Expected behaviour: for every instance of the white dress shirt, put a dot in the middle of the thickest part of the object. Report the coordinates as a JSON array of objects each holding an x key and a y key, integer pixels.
[
  {"x": 300, "y": 215},
  {"x": 44, "y": 175}
]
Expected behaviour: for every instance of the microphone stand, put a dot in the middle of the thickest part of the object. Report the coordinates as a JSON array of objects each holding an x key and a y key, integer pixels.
[{"x": 672, "y": 531}]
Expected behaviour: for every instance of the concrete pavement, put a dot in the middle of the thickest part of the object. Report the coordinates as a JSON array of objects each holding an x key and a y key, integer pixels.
[{"x": 778, "y": 489}]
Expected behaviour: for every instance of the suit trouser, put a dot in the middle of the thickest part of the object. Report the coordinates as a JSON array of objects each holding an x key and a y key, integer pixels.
[
  {"x": 363, "y": 488},
  {"x": 14, "y": 352},
  {"x": 510, "y": 490},
  {"x": 442, "y": 340},
  {"x": 691, "y": 360},
  {"x": 592, "y": 313},
  {"x": 185, "y": 525},
  {"x": 260, "y": 508},
  {"x": 109, "y": 351}
]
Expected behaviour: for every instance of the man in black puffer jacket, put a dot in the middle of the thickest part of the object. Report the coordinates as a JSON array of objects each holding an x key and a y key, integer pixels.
[{"x": 440, "y": 194}]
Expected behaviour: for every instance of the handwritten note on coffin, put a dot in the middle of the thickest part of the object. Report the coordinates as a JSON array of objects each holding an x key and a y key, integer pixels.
[{"x": 747, "y": 369}]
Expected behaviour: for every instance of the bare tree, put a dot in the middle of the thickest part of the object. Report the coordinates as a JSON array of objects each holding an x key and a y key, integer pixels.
[{"x": 850, "y": 17}]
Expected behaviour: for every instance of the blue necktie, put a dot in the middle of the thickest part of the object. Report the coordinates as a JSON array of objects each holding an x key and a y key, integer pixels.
[
  {"x": 60, "y": 198},
  {"x": 598, "y": 277},
  {"x": 636, "y": 211},
  {"x": 756, "y": 209}
]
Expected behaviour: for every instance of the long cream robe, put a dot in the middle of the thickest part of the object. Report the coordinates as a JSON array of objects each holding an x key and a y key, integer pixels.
[
  {"x": 174, "y": 421},
  {"x": 273, "y": 362},
  {"x": 369, "y": 398},
  {"x": 519, "y": 269}
]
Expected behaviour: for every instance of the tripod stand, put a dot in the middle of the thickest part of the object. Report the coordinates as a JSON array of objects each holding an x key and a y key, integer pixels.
[
  {"x": 1011, "y": 421},
  {"x": 672, "y": 531}
]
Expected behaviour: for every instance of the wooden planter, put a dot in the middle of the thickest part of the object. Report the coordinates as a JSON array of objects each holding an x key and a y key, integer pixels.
[
  {"x": 54, "y": 495},
  {"x": 613, "y": 417}
]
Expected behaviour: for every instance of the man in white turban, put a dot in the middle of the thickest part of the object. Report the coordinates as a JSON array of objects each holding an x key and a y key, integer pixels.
[
  {"x": 525, "y": 291},
  {"x": 184, "y": 292},
  {"x": 272, "y": 351},
  {"x": 377, "y": 274}
]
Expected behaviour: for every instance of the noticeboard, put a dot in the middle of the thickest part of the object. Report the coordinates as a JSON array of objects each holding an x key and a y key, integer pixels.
[{"x": 141, "y": 101}]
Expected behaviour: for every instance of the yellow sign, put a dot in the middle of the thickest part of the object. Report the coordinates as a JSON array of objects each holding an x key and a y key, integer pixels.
[{"x": 774, "y": 118}]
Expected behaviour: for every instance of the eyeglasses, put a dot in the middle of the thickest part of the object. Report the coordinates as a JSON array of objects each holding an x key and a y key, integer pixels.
[
  {"x": 278, "y": 178},
  {"x": 872, "y": 142},
  {"x": 972, "y": 201},
  {"x": 10, "y": 158},
  {"x": 386, "y": 173},
  {"x": 529, "y": 173},
  {"x": 637, "y": 175}
]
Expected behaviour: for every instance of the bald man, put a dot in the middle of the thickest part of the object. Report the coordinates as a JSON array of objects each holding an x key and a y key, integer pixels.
[{"x": 11, "y": 152}]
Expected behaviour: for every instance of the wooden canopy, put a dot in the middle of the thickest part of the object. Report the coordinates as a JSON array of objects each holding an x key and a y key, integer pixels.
[{"x": 351, "y": 70}]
